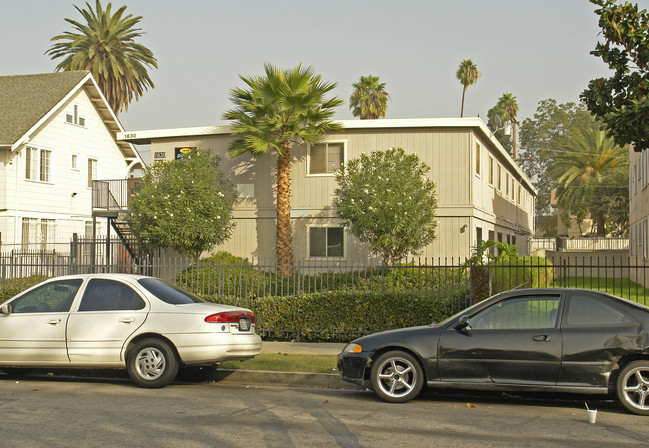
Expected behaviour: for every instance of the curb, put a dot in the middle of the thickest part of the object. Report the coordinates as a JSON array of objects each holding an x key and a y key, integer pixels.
[{"x": 283, "y": 379}]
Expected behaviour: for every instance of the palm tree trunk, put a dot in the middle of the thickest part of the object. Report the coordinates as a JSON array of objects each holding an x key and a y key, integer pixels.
[
  {"x": 601, "y": 224},
  {"x": 462, "y": 108},
  {"x": 283, "y": 233}
]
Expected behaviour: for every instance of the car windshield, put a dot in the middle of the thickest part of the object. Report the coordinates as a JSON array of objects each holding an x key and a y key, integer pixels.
[{"x": 169, "y": 293}]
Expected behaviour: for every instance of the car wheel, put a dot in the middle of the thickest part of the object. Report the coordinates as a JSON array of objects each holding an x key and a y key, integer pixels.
[
  {"x": 17, "y": 372},
  {"x": 397, "y": 377},
  {"x": 152, "y": 363},
  {"x": 197, "y": 374},
  {"x": 633, "y": 387}
]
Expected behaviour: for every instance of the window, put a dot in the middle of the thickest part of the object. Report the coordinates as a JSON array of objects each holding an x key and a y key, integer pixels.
[
  {"x": 246, "y": 191},
  {"x": 499, "y": 177},
  {"x": 92, "y": 171},
  {"x": 518, "y": 313},
  {"x": 513, "y": 191},
  {"x": 519, "y": 194},
  {"x": 109, "y": 295},
  {"x": 31, "y": 163},
  {"x": 54, "y": 297},
  {"x": 513, "y": 240},
  {"x": 74, "y": 117},
  {"x": 38, "y": 234},
  {"x": 478, "y": 235},
  {"x": 38, "y": 164},
  {"x": 326, "y": 158},
  {"x": 326, "y": 242},
  {"x": 491, "y": 170},
  {"x": 477, "y": 159},
  {"x": 585, "y": 310},
  {"x": 507, "y": 184},
  {"x": 74, "y": 162}
]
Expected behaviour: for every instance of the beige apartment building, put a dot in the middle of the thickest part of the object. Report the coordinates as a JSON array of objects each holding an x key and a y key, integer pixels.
[
  {"x": 638, "y": 214},
  {"x": 482, "y": 193}
]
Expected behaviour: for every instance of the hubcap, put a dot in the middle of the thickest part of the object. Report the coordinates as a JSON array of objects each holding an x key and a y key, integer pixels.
[
  {"x": 397, "y": 377},
  {"x": 150, "y": 363},
  {"x": 636, "y": 388}
]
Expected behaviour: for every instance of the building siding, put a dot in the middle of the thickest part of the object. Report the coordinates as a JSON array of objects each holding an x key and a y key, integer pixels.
[{"x": 465, "y": 201}]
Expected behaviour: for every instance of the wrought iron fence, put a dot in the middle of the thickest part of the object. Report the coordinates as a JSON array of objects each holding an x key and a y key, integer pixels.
[{"x": 447, "y": 286}]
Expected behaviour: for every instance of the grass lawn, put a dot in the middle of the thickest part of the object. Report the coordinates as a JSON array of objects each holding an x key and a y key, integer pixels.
[
  {"x": 286, "y": 363},
  {"x": 619, "y": 286}
]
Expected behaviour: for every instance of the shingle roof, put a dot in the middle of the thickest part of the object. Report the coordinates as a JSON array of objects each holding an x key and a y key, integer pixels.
[{"x": 25, "y": 99}]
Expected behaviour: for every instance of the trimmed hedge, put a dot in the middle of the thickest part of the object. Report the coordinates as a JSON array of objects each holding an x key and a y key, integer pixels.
[
  {"x": 14, "y": 286},
  {"x": 342, "y": 315}
]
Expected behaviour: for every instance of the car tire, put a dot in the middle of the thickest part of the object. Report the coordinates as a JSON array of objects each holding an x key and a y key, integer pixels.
[
  {"x": 633, "y": 387},
  {"x": 197, "y": 374},
  {"x": 152, "y": 363},
  {"x": 397, "y": 376}
]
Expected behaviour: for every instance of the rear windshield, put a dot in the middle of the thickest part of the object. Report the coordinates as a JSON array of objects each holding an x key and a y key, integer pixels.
[{"x": 168, "y": 293}]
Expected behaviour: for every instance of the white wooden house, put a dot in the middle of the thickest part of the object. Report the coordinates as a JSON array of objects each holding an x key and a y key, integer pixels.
[{"x": 57, "y": 135}]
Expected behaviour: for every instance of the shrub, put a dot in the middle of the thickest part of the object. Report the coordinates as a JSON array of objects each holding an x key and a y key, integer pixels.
[
  {"x": 13, "y": 286},
  {"x": 343, "y": 315}
]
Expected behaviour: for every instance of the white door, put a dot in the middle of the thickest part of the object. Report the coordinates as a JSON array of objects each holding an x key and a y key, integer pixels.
[
  {"x": 109, "y": 312},
  {"x": 34, "y": 330}
]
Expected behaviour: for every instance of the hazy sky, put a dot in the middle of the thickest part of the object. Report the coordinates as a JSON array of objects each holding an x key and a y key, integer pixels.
[{"x": 535, "y": 49}]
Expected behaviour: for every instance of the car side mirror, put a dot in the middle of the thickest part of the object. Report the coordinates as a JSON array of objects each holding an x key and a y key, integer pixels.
[
  {"x": 463, "y": 324},
  {"x": 5, "y": 309}
]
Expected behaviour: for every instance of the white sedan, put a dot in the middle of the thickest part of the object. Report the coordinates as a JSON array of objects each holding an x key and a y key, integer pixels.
[{"x": 151, "y": 328}]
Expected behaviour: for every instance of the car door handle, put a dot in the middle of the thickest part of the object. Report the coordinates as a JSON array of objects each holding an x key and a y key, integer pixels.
[
  {"x": 53, "y": 321},
  {"x": 127, "y": 320},
  {"x": 542, "y": 338}
]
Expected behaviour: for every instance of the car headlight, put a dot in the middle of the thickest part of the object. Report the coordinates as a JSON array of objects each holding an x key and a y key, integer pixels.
[{"x": 352, "y": 348}]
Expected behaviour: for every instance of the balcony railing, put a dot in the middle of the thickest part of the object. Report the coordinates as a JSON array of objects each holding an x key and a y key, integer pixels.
[{"x": 113, "y": 194}]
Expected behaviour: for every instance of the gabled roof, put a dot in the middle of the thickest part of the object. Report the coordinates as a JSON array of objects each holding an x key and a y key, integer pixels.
[{"x": 27, "y": 101}]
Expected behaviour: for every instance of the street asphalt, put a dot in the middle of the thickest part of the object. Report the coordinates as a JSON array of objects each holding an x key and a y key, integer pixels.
[{"x": 290, "y": 379}]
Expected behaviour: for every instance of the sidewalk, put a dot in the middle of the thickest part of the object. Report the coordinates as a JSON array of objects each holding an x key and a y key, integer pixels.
[
  {"x": 290, "y": 379},
  {"x": 302, "y": 348}
]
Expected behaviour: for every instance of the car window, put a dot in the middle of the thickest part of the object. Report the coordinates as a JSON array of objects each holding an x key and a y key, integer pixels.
[
  {"x": 517, "y": 313},
  {"x": 585, "y": 310},
  {"x": 169, "y": 293},
  {"x": 110, "y": 295},
  {"x": 55, "y": 296}
]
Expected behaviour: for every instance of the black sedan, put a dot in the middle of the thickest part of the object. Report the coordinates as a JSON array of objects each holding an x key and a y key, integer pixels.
[{"x": 559, "y": 340}]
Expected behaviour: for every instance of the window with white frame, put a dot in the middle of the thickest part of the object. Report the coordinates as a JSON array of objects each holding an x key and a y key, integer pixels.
[
  {"x": 507, "y": 184},
  {"x": 74, "y": 164},
  {"x": 38, "y": 164},
  {"x": 477, "y": 159},
  {"x": 92, "y": 171},
  {"x": 326, "y": 242},
  {"x": 75, "y": 118},
  {"x": 491, "y": 170},
  {"x": 326, "y": 158},
  {"x": 38, "y": 234},
  {"x": 499, "y": 177}
]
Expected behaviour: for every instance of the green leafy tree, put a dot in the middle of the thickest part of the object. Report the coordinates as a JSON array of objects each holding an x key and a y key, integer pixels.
[
  {"x": 468, "y": 74},
  {"x": 621, "y": 101},
  {"x": 508, "y": 104},
  {"x": 542, "y": 138},
  {"x": 387, "y": 201},
  {"x": 495, "y": 122},
  {"x": 369, "y": 100},
  {"x": 105, "y": 45},
  {"x": 595, "y": 171},
  {"x": 184, "y": 205},
  {"x": 278, "y": 110}
]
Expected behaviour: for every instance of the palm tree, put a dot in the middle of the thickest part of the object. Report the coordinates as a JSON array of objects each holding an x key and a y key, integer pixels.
[
  {"x": 595, "y": 173},
  {"x": 369, "y": 99},
  {"x": 105, "y": 46},
  {"x": 276, "y": 111},
  {"x": 468, "y": 74},
  {"x": 509, "y": 106}
]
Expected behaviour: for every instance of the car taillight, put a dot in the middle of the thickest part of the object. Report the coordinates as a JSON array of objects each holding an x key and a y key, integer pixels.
[{"x": 230, "y": 317}]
